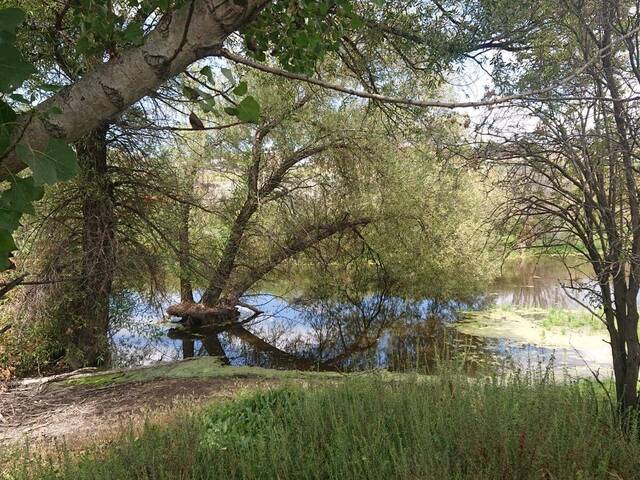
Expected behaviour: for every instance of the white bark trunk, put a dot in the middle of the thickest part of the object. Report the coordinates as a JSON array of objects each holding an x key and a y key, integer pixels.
[{"x": 112, "y": 87}]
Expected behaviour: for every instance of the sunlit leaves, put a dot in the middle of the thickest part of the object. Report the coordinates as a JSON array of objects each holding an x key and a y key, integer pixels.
[
  {"x": 235, "y": 93},
  {"x": 97, "y": 24},
  {"x": 300, "y": 32}
]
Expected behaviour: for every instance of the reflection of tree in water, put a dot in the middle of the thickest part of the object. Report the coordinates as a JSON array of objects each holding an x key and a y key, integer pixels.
[
  {"x": 373, "y": 331},
  {"x": 537, "y": 283},
  {"x": 431, "y": 343},
  {"x": 539, "y": 295}
]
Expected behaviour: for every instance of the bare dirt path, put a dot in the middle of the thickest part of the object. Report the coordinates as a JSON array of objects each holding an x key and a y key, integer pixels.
[{"x": 81, "y": 414}]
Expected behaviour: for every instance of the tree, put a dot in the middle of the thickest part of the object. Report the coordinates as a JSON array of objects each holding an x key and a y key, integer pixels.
[
  {"x": 323, "y": 189},
  {"x": 572, "y": 179}
]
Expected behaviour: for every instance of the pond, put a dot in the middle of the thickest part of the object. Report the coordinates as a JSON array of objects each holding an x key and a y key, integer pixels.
[{"x": 525, "y": 319}]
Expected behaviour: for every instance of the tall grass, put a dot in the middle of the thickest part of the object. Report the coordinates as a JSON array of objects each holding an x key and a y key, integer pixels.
[{"x": 369, "y": 427}]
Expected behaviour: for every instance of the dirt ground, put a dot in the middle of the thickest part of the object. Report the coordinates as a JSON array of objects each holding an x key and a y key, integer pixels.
[{"x": 80, "y": 415}]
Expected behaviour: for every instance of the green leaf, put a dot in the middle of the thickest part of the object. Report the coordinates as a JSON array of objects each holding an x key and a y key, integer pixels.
[
  {"x": 190, "y": 92},
  {"x": 14, "y": 69},
  {"x": 64, "y": 157},
  {"x": 7, "y": 115},
  {"x": 206, "y": 71},
  {"x": 83, "y": 45},
  {"x": 10, "y": 18},
  {"x": 5, "y": 264},
  {"x": 7, "y": 119},
  {"x": 133, "y": 33},
  {"x": 228, "y": 74},
  {"x": 208, "y": 105},
  {"x": 241, "y": 89},
  {"x": 21, "y": 195},
  {"x": 57, "y": 163},
  {"x": 6, "y": 242},
  {"x": 19, "y": 98},
  {"x": 7, "y": 245},
  {"x": 9, "y": 220},
  {"x": 356, "y": 22},
  {"x": 51, "y": 87},
  {"x": 249, "y": 110}
]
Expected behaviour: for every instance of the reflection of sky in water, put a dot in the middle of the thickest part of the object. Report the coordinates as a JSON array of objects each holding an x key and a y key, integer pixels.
[{"x": 142, "y": 338}]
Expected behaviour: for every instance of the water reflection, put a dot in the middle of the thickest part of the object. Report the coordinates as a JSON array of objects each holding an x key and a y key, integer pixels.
[
  {"x": 539, "y": 283},
  {"x": 373, "y": 331}
]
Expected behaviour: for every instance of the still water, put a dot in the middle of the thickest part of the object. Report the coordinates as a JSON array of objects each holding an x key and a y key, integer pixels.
[{"x": 381, "y": 331}]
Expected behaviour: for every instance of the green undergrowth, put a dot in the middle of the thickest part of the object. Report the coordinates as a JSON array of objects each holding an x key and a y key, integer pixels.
[
  {"x": 372, "y": 426},
  {"x": 203, "y": 367}
]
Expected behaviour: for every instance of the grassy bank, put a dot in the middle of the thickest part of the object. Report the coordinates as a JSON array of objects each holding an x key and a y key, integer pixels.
[{"x": 446, "y": 427}]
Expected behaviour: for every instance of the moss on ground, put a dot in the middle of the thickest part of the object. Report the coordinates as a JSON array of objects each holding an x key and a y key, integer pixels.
[{"x": 204, "y": 367}]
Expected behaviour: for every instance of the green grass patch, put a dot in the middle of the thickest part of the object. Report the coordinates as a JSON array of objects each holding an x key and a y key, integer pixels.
[
  {"x": 571, "y": 320},
  {"x": 370, "y": 426}
]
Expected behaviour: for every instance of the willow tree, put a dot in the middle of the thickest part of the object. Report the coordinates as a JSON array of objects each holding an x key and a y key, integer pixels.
[
  {"x": 277, "y": 173},
  {"x": 322, "y": 188}
]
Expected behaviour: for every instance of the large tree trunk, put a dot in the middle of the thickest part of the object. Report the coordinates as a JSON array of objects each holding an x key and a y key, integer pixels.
[
  {"x": 98, "y": 250},
  {"x": 625, "y": 348}
]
